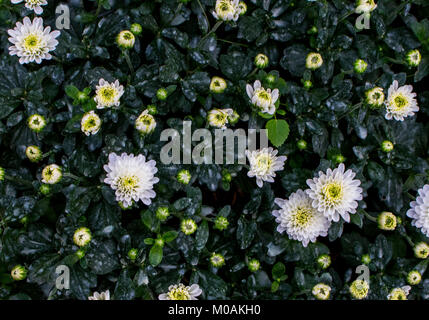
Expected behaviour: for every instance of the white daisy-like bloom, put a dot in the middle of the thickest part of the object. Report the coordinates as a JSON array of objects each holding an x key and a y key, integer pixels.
[
  {"x": 227, "y": 10},
  {"x": 145, "y": 123},
  {"x": 313, "y": 61},
  {"x": 299, "y": 219},
  {"x": 375, "y": 97},
  {"x": 82, "y": 236},
  {"x": 335, "y": 193},
  {"x": 32, "y": 42},
  {"x": 181, "y": 292},
  {"x": 365, "y": 6},
  {"x": 90, "y": 123},
  {"x": 321, "y": 291},
  {"x": 132, "y": 178},
  {"x": 401, "y": 102},
  {"x": 219, "y": 118},
  {"x": 419, "y": 211},
  {"x": 52, "y": 174},
  {"x": 108, "y": 94},
  {"x": 264, "y": 99},
  {"x": 263, "y": 164},
  {"x": 399, "y": 293},
  {"x": 32, "y": 5},
  {"x": 100, "y": 296},
  {"x": 125, "y": 39}
]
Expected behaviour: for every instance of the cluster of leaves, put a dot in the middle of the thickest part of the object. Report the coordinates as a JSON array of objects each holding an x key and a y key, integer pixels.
[{"x": 178, "y": 51}]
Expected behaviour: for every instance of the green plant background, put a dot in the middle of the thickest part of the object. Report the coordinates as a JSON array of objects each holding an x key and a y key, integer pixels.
[{"x": 177, "y": 51}]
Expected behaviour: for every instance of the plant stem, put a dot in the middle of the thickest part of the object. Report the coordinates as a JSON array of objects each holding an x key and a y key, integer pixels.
[
  {"x": 213, "y": 30},
  {"x": 98, "y": 8},
  {"x": 369, "y": 217},
  {"x": 18, "y": 180},
  {"x": 127, "y": 58},
  {"x": 356, "y": 106}
]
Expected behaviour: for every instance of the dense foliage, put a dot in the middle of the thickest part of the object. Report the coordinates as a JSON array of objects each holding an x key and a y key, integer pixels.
[{"x": 322, "y": 119}]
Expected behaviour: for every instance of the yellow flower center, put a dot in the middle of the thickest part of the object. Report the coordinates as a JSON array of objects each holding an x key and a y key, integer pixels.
[
  {"x": 264, "y": 162},
  {"x": 128, "y": 184},
  {"x": 400, "y": 102},
  {"x": 333, "y": 192},
  {"x": 107, "y": 93},
  {"x": 32, "y": 43},
  {"x": 302, "y": 217},
  {"x": 263, "y": 95},
  {"x": 179, "y": 293}
]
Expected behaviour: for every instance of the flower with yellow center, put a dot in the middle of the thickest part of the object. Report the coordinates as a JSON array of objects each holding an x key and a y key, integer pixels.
[
  {"x": 108, "y": 94},
  {"x": 100, "y": 296},
  {"x": 359, "y": 289},
  {"x": 51, "y": 174},
  {"x": 125, "y": 39},
  {"x": 181, "y": 292},
  {"x": 132, "y": 178},
  {"x": 82, "y": 237},
  {"x": 263, "y": 165},
  {"x": 262, "y": 98},
  {"x": 421, "y": 250},
  {"x": 219, "y": 118},
  {"x": 365, "y": 6},
  {"x": 242, "y": 6},
  {"x": 386, "y": 221},
  {"x": 217, "y": 85},
  {"x": 90, "y": 123},
  {"x": 33, "y": 153},
  {"x": 314, "y": 61},
  {"x": 217, "y": 260},
  {"x": 399, "y": 293},
  {"x": 36, "y": 122},
  {"x": 321, "y": 291},
  {"x": 324, "y": 261},
  {"x": 32, "y": 5},
  {"x": 419, "y": 210},
  {"x": 299, "y": 219},
  {"x": 145, "y": 123},
  {"x": 227, "y": 10},
  {"x": 31, "y": 42},
  {"x": 401, "y": 102},
  {"x": 18, "y": 273},
  {"x": 188, "y": 226},
  {"x": 414, "y": 277},
  {"x": 375, "y": 97},
  {"x": 335, "y": 193},
  {"x": 413, "y": 58}
]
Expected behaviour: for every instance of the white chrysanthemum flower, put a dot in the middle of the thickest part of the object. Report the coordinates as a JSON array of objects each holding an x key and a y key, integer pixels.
[
  {"x": 33, "y": 153},
  {"x": 359, "y": 289},
  {"x": 51, "y": 174},
  {"x": 82, "y": 236},
  {"x": 419, "y": 211},
  {"x": 263, "y": 164},
  {"x": 218, "y": 85},
  {"x": 227, "y": 10},
  {"x": 399, "y": 293},
  {"x": 132, "y": 178},
  {"x": 414, "y": 277},
  {"x": 421, "y": 250},
  {"x": 32, "y": 5},
  {"x": 321, "y": 291},
  {"x": 299, "y": 219},
  {"x": 100, "y": 296},
  {"x": 108, "y": 94},
  {"x": 219, "y": 118},
  {"x": 90, "y": 123},
  {"x": 36, "y": 122},
  {"x": 313, "y": 61},
  {"x": 365, "y": 6},
  {"x": 335, "y": 193},
  {"x": 145, "y": 123},
  {"x": 31, "y": 42},
  {"x": 375, "y": 97},
  {"x": 264, "y": 99},
  {"x": 181, "y": 292},
  {"x": 125, "y": 39},
  {"x": 401, "y": 102},
  {"x": 387, "y": 221}
]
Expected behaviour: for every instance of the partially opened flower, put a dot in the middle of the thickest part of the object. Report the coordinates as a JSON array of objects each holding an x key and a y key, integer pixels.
[
  {"x": 31, "y": 42},
  {"x": 219, "y": 118},
  {"x": 359, "y": 289},
  {"x": 321, "y": 291},
  {"x": 82, "y": 236},
  {"x": 52, "y": 174},
  {"x": 90, "y": 123},
  {"x": 132, "y": 178},
  {"x": 227, "y": 10},
  {"x": 419, "y": 211},
  {"x": 413, "y": 58},
  {"x": 263, "y": 165},
  {"x": 145, "y": 123},
  {"x": 100, "y": 296},
  {"x": 217, "y": 85},
  {"x": 365, "y": 6},
  {"x": 375, "y": 97},
  {"x": 108, "y": 94},
  {"x": 262, "y": 98},
  {"x": 33, "y": 5},
  {"x": 399, "y": 293},
  {"x": 299, "y": 219},
  {"x": 314, "y": 61},
  {"x": 335, "y": 193},
  {"x": 181, "y": 292},
  {"x": 401, "y": 102}
]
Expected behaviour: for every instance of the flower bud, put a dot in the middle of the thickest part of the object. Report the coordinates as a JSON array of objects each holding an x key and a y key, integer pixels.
[
  {"x": 360, "y": 66},
  {"x": 82, "y": 237},
  {"x": 162, "y": 213},
  {"x": 36, "y": 122},
  {"x": 414, "y": 58},
  {"x": 132, "y": 254},
  {"x": 217, "y": 260},
  {"x": 387, "y": 146},
  {"x": 221, "y": 223},
  {"x": 162, "y": 94},
  {"x": 414, "y": 277},
  {"x": 366, "y": 259},
  {"x": 321, "y": 291},
  {"x": 261, "y": 61},
  {"x": 184, "y": 176},
  {"x": 52, "y": 174},
  {"x": 136, "y": 29},
  {"x": 33, "y": 153},
  {"x": 217, "y": 85},
  {"x": 90, "y": 123},
  {"x": 421, "y": 250},
  {"x": 188, "y": 226},
  {"x": 125, "y": 39},
  {"x": 386, "y": 221},
  {"x": 18, "y": 273},
  {"x": 254, "y": 265},
  {"x": 359, "y": 289},
  {"x": 324, "y": 261},
  {"x": 313, "y": 61},
  {"x": 301, "y": 144}
]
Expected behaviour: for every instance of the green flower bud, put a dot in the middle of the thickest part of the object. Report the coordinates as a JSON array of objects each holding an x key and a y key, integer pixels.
[
  {"x": 321, "y": 291},
  {"x": 366, "y": 259},
  {"x": 414, "y": 277},
  {"x": 218, "y": 85},
  {"x": 162, "y": 213},
  {"x": 414, "y": 58},
  {"x": 301, "y": 144},
  {"x": 254, "y": 265},
  {"x": 312, "y": 30},
  {"x": 324, "y": 261},
  {"x": 217, "y": 260},
  {"x": 314, "y": 61},
  {"x": 159, "y": 242},
  {"x": 80, "y": 253},
  {"x": 136, "y": 29},
  {"x": 184, "y": 176},
  {"x": 221, "y": 223},
  {"x": 33, "y": 153},
  {"x": 226, "y": 176},
  {"x": 18, "y": 273},
  {"x": 421, "y": 250},
  {"x": 339, "y": 158},
  {"x": 359, "y": 289},
  {"x": 261, "y": 61},
  {"x": 387, "y": 146},
  {"x": 36, "y": 122},
  {"x": 360, "y": 66},
  {"x": 307, "y": 84},
  {"x": 1, "y": 174},
  {"x": 386, "y": 221},
  {"x": 152, "y": 109},
  {"x": 132, "y": 254},
  {"x": 125, "y": 39},
  {"x": 270, "y": 78},
  {"x": 45, "y": 189},
  {"x": 162, "y": 94},
  {"x": 188, "y": 226}
]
